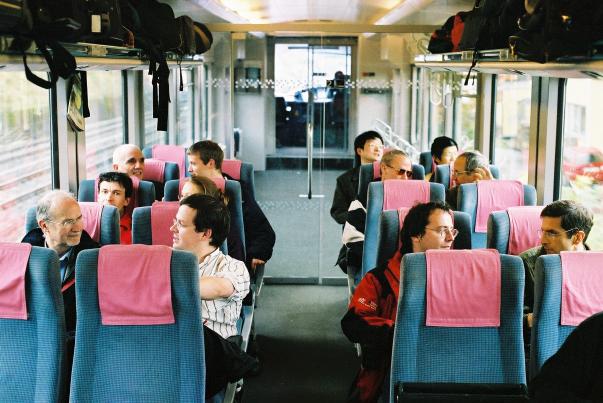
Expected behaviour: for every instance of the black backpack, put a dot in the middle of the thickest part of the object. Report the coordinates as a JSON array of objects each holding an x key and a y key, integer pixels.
[{"x": 559, "y": 29}]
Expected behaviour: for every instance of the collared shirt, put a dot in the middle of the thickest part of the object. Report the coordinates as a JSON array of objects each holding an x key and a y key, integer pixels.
[{"x": 221, "y": 314}]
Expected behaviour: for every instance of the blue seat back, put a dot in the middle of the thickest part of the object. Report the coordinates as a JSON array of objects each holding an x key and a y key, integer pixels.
[
  {"x": 162, "y": 363},
  {"x": 442, "y": 174},
  {"x": 146, "y": 192},
  {"x": 148, "y": 153},
  {"x": 109, "y": 225},
  {"x": 425, "y": 160},
  {"x": 499, "y": 231},
  {"x": 547, "y": 332},
  {"x": 366, "y": 176},
  {"x": 33, "y": 350},
  {"x": 389, "y": 234},
  {"x": 467, "y": 202},
  {"x": 245, "y": 175},
  {"x": 373, "y": 216},
  {"x": 457, "y": 354}
]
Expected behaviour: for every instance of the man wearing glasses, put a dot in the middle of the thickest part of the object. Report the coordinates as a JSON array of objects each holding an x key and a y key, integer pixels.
[
  {"x": 395, "y": 164},
  {"x": 565, "y": 227},
  {"x": 469, "y": 167},
  {"x": 371, "y": 315},
  {"x": 61, "y": 228}
]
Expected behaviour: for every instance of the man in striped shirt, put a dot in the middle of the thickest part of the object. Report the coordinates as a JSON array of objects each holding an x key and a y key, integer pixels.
[{"x": 200, "y": 227}]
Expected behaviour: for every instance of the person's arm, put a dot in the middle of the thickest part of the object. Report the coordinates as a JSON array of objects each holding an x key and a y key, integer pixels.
[
  {"x": 341, "y": 202},
  {"x": 259, "y": 235},
  {"x": 211, "y": 287},
  {"x": 363, "y": 322}
]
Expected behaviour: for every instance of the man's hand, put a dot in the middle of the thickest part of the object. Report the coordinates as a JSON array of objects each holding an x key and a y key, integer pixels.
[
  {"x": 482, "y": 174},
  {"x": 256, "y": 262}
]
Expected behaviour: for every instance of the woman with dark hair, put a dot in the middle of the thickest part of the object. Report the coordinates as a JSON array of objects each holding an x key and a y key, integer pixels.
[
  {"x": 372, "y": 311},
  {"x": 443, "y": 151}
]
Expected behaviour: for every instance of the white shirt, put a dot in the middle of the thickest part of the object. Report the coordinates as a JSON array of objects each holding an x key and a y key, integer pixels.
[{"x": 221, "y": 314}]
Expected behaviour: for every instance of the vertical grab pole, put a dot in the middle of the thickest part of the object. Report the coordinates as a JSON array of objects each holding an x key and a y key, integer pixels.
[{"x": 310, "y": 137}]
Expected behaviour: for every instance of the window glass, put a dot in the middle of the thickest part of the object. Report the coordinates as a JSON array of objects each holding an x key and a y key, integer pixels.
[
  {"x": 184, "y": 107},
  {"x": 151, "y": 135},
  {"x": 25, "y": 162},
  {"x": 105, "y": 126},
  {"x": 440, "y": 98},
  {"x": 512, "y": 126},
  {"x": 582, "y": 167},
  {"x": 465, "y": 107}
]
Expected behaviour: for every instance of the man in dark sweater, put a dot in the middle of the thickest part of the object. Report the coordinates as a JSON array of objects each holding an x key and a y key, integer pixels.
[
  {"x": 61, "y": 228},
  {"x": 368, "y": 148}
]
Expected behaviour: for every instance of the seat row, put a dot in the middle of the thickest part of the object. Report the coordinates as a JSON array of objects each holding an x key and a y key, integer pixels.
[
  {"x": 134, "y": 343},
  {"x": 459, "y": 328}
]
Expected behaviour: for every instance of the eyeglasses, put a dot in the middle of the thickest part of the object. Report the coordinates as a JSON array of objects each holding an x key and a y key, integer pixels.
[
  {"x": 457, "y": 173},
  {"x": 443, "y": 231},
  {"x": 179, "y": 225},
  {"x": 69, "y": 222},
  {"x": 553, "y": 234},
  {"x": 401, "y": 171}
]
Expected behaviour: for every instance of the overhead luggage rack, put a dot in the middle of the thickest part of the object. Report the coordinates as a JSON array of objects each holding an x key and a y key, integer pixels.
[
  {"x": 89, "y": 56},
  {"x": 502, "y": 61}
]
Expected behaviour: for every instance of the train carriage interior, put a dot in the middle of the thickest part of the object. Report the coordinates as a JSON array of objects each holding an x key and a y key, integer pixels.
[{"x": 410, "y": 186}]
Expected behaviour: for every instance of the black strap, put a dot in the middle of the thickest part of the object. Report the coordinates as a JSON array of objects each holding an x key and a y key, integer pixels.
[
  {"x": 163, "y": 74},
  {"x": 85, "y": 107},
  {"x": 181, "y": 84},
  {"x": 31, "y": 77}
]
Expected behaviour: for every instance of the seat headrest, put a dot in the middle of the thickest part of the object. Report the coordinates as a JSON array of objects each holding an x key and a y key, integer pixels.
[
  {"x": 91, "y": 216},
  {"x": 154, "y": 170},
  {"x": 524, "y": 223},
  {"x": 13, "y": 264},
  {"x": 463, "y": 288},
  {"x": 171, "y": 153},
  {"x": 494, "y": 195},
  {"x": 134, "y": 285},
  {"x": 582, "y": 286},
  {"x": 404, "y": 193},
  {"x": 162, "y": 218},
  {"x": 232, "y": 168}
]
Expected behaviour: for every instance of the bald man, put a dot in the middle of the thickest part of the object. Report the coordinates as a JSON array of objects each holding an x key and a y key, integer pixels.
[{"x": 128, "y": 159}]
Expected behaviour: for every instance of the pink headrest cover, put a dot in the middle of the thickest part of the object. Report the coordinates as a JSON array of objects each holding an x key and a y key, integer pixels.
[
  {"x": 13, "y": 263},
  {"x": 162, "y": 218},
  {"x": 91, "y": 215},
  {"x": 524, "y": 223},
  {"x": 134, "y": 286},
  {"x": 376, "y": 170},
  {"x": 582, "y": 288},
  {"x": 170, "y": 153},
  {"x": 220, "y": 183},
  {"x": 404, "y": 193},
  {"x": 232, "y": 168},
  {"x": 463, "y": 288},
  {"x": 495, "y": 195},
  {"x": 154, "y": 170}
]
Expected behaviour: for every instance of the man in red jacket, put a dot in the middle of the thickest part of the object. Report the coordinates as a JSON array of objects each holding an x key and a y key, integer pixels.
[{"x": 372, "y": 311}]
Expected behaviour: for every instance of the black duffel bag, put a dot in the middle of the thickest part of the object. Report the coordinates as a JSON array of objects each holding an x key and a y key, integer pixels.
[
  {"x": 490, "y": 23},
  {"x": 554, "y": 29}
]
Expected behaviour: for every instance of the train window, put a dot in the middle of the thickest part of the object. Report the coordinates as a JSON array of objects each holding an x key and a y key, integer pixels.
[
  {"x": 151, "y": 135},
  {"x": 25, "y": 164},
  {"x": 512, "y": 126},
  {"x": 582, "y": 165},
  {"x": 465, "y": 106},
  {"x": 104, "y": 127},
  {"x": 184, "y": 108},
  {"x": 440, "y": 99}
]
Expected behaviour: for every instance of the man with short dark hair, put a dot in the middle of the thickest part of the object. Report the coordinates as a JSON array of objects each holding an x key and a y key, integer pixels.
[
  {"x": 368, "y": 148},
  {"x": 469, "y": 167},
  {"x": 115, "y": 189},
  {"x": 201, "y": 225},
  {"x": 565, "y": 227},
  {"x": 128, "y": 158},
  {"x": 205, "y": 159},
  {"x": 443, "y": 152},
  {"x": 372, "y": 310}
]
